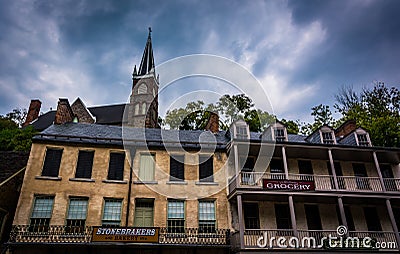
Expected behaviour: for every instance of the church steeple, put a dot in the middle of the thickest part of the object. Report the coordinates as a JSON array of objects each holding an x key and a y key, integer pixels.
[{"x": 147, "y": 63}]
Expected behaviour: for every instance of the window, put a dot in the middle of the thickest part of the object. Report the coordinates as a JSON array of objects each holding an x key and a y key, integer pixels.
[
  {"x": 76, "y": 217},
  {"x": 137, "y": 109},
  {"x": 112, "y": 212},
  {"x": 41, "y": 213},
  {"x": 206, "y": 217},
  {"x": 251, "y": 218},
  {"x": 143, "y": 108},
  {"x": 360, "y": 173},
  {"x": 362, "y": 140},
  {"x": 327, "y": 138},
  {"x": 176, "y": 216},
  {"x": 241, "y": 132},
  {"x": 388, "y": 177},
  {"x": 372, "y": 218},
  {"x": 206, "y": 169},
  {"x": 279, "y": 134},
  {"x": 177, "y": 168},
  {"x": 85, "y": 163},
  {"x": 146, "y": 170},
  {"x": 313, "y": 217},
  {"x": 305, "y": 170},
  {"x": 277, "y": 169},
  {"x": 282, "y": 215},
  {"x": 144, "y": 209},
  {"x": 142, "y": 89},
  {"x": 52, "y": 162},
  {"x": 349, "y": 218},
  {"x": 116, "y": 166}
]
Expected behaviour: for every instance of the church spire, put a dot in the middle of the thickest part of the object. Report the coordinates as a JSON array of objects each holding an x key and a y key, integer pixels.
[{"x": 147, "y": 63}]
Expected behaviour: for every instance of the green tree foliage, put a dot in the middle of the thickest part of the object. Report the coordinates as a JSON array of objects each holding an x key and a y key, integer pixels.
[
  {"x": 13, "y": 138},
  {"x": 292, "y": 127},
  {"x": 377, "y": 110},
  {"x": 196, "y": 114}
]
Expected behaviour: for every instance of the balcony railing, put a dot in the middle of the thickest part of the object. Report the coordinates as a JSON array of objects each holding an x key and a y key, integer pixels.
[
  {"x": 62, "y": 234},
  {"x": 306, "y": 239},
  {"x": 322, "y": 182}
]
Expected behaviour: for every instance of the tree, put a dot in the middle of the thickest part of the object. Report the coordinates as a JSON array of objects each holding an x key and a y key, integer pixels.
[
  {"x": 292, "y": 127},
  {"x": 377, "y": 110},
  {"x": 18, "y": 115}
]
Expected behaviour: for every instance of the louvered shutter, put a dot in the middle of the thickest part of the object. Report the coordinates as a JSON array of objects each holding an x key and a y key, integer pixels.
[
  {"x": 206, "y": 169},
  {"x": 116, "y": 166},
  {"x": 177, "y": 168},
  {"x": 85, "y": 164},
  {"x": 52, "y": 162}
]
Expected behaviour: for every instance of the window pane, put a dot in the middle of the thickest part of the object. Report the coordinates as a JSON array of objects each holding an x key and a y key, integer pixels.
[
  {"x": 146, "y": 171},
  {"x": 112, "y": 212},
  {"x": 176, "y": 210},
  {"x": 52, "y": 162},
  {"x": 206, "y": 210},
  {"x": 42, "y": 207},
  {"x": 116, "y": 166},
  {"x": 77, "y": 208},
  {"x": 85, "y": 163}
]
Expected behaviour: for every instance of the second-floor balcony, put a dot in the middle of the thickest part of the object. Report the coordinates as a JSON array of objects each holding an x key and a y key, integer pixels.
[{"x": 254, "y": 180}]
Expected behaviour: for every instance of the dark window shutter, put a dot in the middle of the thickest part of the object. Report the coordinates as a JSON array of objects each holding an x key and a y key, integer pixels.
[
  {"x": 206, "y": 169},
  {"x": 177, "y": 168},
  {"x": 85, "y": 164},
  {"x": 116, "y": 166},
  {"x": 52, "y": 162}
]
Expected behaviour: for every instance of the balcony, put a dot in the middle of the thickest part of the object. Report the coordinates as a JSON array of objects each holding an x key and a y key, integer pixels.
[
  {"x": 63, "y": 234},
  {"x": 254, "y": 180},
  {"x": 307, "y": 239}
]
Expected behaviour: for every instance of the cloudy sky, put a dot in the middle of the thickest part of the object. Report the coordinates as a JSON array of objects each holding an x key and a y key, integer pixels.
[{"x": 301, "y": 52}]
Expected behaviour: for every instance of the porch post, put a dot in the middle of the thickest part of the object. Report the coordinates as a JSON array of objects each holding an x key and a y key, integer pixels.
[
  {"x": 378, "y": 169},
  {"x": 342, "y": 213},
  {"x": 285, "y": 166},
  {"x": 241, "y": 220},
  {"x": 333, "y": 169},
  {"x": 292, "y": 215},
  {"x": 237, "y": 171},
  {"x": 393, "y": 221}
]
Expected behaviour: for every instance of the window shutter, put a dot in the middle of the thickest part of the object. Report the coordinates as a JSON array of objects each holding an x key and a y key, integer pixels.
[
  {"x": 85, "y": 164},
  {"x": 146, "y": 170},
  {"x": 177, "y": 168},
  {"x": 116, "y": 166},
  {"x": 52, "y": 162},
  {"x": 206, "y": 169}
]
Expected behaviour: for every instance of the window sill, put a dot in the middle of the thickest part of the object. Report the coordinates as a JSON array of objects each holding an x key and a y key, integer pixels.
[
  {"x": 115, "y": 181},
  {"x": 145, "y": 182},
  {"x": 207, "y": 183},
  {"x": 177, "y": 182},
  {"x": 81, "y": 179},
  {"x": 52, "y": 178}
]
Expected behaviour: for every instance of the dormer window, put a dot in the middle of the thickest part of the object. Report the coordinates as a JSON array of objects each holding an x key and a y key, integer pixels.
[
  {"x": 241, "y": 131},
  {"x": 279, "y": 134},
  {"x": 327, "y": 138},
  {"x": 362, "y": 140}
]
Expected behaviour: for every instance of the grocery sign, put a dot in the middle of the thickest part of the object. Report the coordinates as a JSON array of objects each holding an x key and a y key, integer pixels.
[{"x": 292, "y": 185}]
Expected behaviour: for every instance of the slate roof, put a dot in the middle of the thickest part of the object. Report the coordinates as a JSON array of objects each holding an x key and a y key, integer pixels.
[{"x": 109, "y": 114}]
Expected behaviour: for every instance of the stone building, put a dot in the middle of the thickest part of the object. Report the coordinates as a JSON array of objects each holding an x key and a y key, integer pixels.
[{"x": 108, "y": 180}]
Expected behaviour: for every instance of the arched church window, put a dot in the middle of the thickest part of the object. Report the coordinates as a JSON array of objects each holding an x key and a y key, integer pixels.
[
  {"x": 144, "y": 108},
  {"x": 137, "y": 109},
  {"x": 142, "y": 88}
]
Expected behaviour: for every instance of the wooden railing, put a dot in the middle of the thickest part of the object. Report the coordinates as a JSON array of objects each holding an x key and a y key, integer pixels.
[
  {"x": 322, "y": 182},
  {"x": 62, "y": 234}
]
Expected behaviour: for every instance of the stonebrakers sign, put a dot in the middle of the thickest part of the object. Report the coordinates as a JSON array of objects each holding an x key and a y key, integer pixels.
[
  {"x": 126, "y": 234},
  {"x": 291, "y": 185}
]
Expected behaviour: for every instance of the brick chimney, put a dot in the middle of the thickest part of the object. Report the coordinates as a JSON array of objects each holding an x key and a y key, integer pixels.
[
  {"x": 33, "y": 112},
  {"x": 64, "y": 112},
  {"x": 346, "y": 128},
  {"x": 213, "y": 123}
]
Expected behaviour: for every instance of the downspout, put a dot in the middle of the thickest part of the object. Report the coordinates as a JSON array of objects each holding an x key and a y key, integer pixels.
[{"x": 128, "y": 207}]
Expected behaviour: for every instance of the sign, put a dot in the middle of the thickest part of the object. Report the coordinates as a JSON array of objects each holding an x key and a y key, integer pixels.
[
  {"x": 292, "y": 185},
  {"x": 126, "y": 234}
]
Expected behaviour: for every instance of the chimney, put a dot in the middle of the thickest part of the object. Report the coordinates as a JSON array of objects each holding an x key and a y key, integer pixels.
[
  {"x": 213, "y": 123},
  {"x": 33, "y": 112},
  {"x": 64, "y": 112},
  {"x": 346, "y": 128}
]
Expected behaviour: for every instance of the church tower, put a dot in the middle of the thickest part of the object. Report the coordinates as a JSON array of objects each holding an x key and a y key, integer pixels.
[{"x": 144, "y": 97}]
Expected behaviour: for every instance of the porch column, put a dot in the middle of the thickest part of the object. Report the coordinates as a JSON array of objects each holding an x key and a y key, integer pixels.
[
  {"x": 342, "y": 213},
  {"x": 378, "y": 169},
  {"x": 236, "y": 158},
  {"x": 241, "y": 220},
  {"x": 393, "y": 221},
  {"x": 335, "y": 181},
  {"x": 285, "y": 166},
  {"x": 292, "y": 215}
]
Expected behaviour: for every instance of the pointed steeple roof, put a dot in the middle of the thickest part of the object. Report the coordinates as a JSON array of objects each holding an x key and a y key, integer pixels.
[{"x": 147, "y": 63}]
